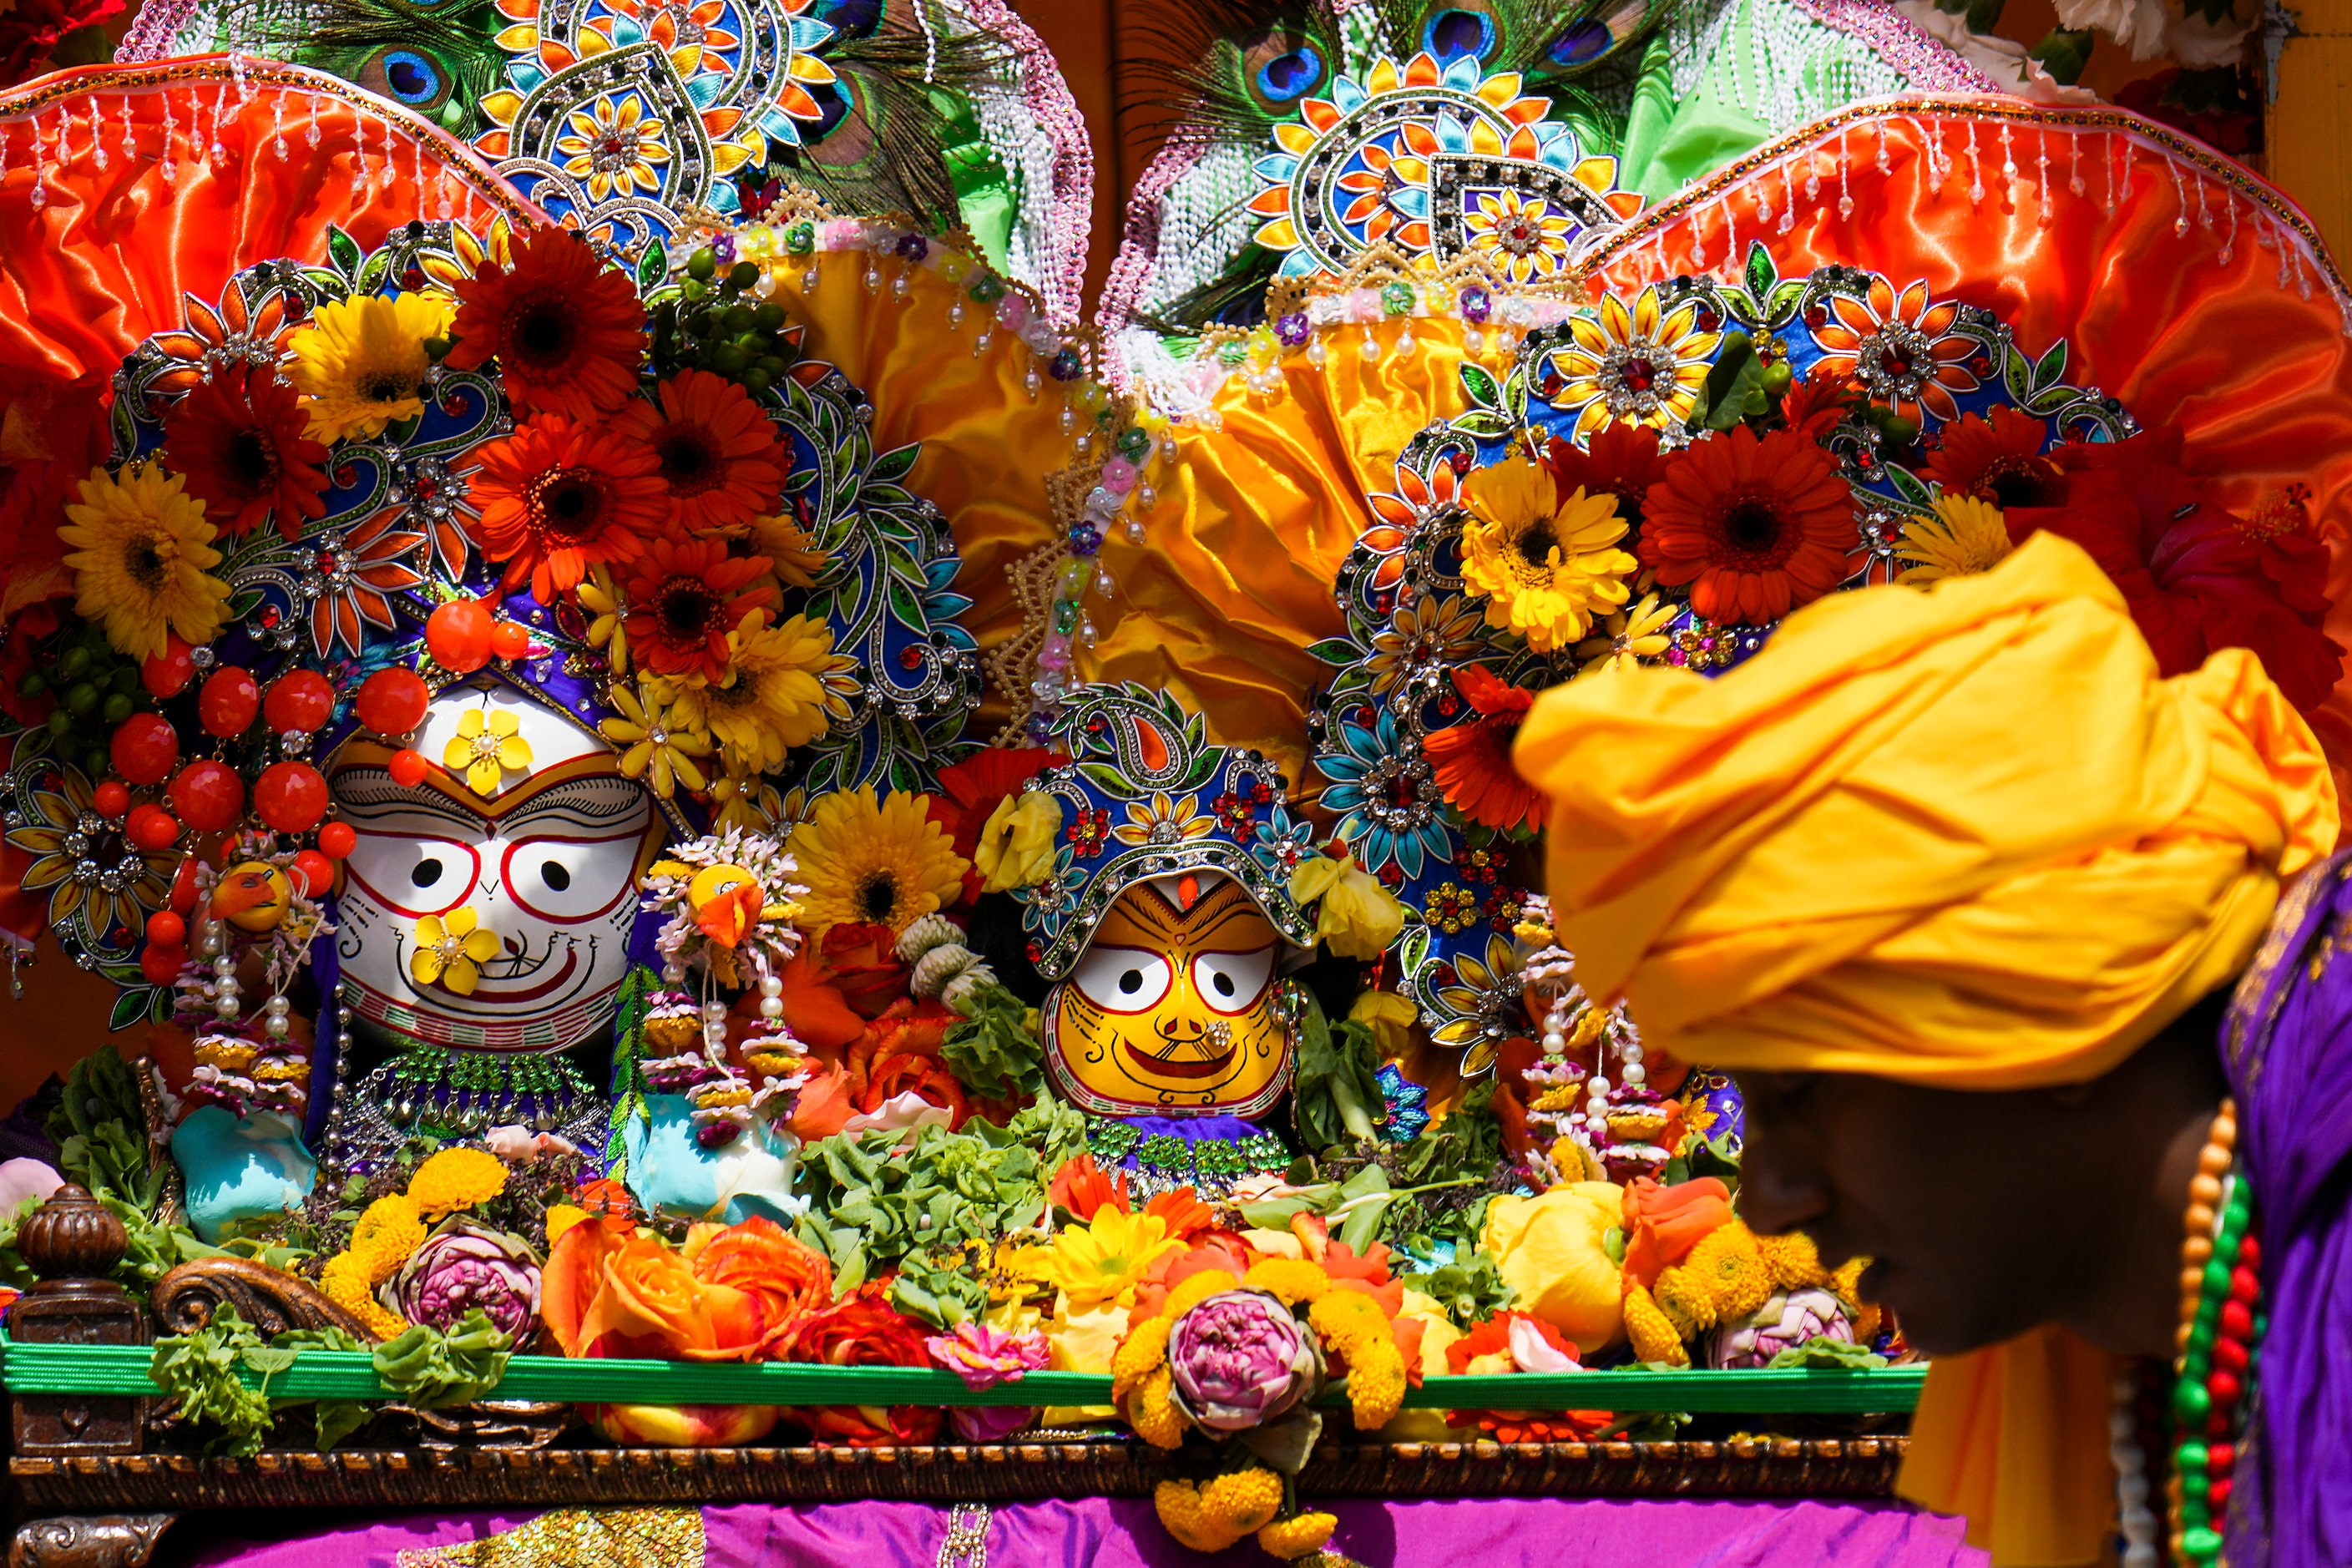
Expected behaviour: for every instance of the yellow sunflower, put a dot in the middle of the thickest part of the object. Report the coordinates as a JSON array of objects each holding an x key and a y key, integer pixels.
[
  {"x": 487, "y": 748},
  {"x": 774, "y": 699},
  {"x": 1965, "y": 537},
  {"x": 869, "y": 863},
  {"x": 1547, "y": 565},
  {"x": 360, "y": 364},
  {"x": 451, "y": 950},
  {"x": 142, "y": 549}
]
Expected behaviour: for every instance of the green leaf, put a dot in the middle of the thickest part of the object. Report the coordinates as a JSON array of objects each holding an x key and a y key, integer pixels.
[
  {"x": 344, "y": 250},
  {"x": 894, "y": 464},
  {"x": 1734, "y": 386},
  {"x": 2051, "y": 368},
  {"x": 653, "y": 267},
  {"x": 1483, "y": 424},
  {"x": 1337, "y": 1092},
  {"x": 432, "y": 1368},
  {"x": 1339, "y": 651},
  {"x": 338, "y": 1419},
  {"x": 134, "y": 1005},
  {"x": 991, "y": 1051},
  {"x": 1482, "y": 387},
  {"x": 1821, "y": 1351},
  {"x": 1763, "y": 274}
]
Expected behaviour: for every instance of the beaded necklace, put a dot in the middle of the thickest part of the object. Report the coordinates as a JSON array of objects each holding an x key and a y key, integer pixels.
[{"x": 2192, "y": 1416}]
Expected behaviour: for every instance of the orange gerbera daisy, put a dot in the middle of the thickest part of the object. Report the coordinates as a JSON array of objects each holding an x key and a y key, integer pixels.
[
  {"x": 237, "y": 442},
  {"x": 1623, "y": 461},
  {"x": 1755, "y": 527},
  {"x": 684, "y": 596},
  {"x": 719, "y": 454},
  {"x": 1473, "y": 758},
  {"x": 1998, "y": 459},
  {"x": 558, "y": 498},
  {"x": 567, "y": 331}
]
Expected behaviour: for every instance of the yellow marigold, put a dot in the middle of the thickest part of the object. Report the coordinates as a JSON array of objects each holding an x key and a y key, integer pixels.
[
  {"x": 562, "y": 1217},
  {"x": 457, "y": 1179},
  {"x": 1731, "y": 1268},
  {"x": 1296, "y": 1537},
  {"x": 1684, "y": 1300},
  {"x": 1348, "y": 1321},
  {"x": 345, "y": 1283},
  {"x": 1791, "y": 1260},
  {"x": 1847, "y": 1284},
  {"x": 1143, "y": 1352},
  {"x": 1292, "y": 1281},
  {"x": 387, "y": 1234},
  {"x": 1220, "y": 1511},
  {"x": 1194, "y": 1289},
  {"x": 1375, "y": 1384},
  {"x": 1654, "y": 1337},
  {"x": 1152, "y": 1411}
]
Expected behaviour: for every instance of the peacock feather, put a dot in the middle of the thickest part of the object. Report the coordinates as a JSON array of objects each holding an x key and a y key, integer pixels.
[{"x": 435, "y": 58}]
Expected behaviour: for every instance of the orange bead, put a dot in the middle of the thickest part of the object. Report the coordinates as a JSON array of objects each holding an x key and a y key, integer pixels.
[
  {"x": 2192, "y": 1281},
  {"x": 2199, "y": 1220},
  {"x": 2197, "y": 1251},
  {"x": 2213, "y": 1160},
  {"x": 2204, "y": 1189},
  {"x": 2224, "y": 1131}
]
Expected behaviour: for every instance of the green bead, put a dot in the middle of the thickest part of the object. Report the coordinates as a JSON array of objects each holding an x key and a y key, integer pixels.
[
  {"x": 2191, "y": 1402},
  {"x": 985, "y": 289},
  {"x": 2195, "y": 1367},
  {"x": 2195, "y": 1483},
  {"x": 800, "y": 238},
  {"x": 2203, "y": 1543},
  {"x": 32, "y": 685},
  {"x": 702, "y": 264},
  {"x": 2201, "y": 1336},
  {"x": 768, "y": 315},
  {"x": 2189, "y": 1457},
  {"x": 117, "y": 708},
  {"x": 2216, "y": 1279},
  {"x": 744, "y": 274}
]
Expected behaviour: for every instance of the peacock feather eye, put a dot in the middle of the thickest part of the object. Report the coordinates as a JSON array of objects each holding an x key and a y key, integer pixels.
[
  {"x": 1279, "y": 67},
  {"x": 1456, "y": 32},
  {"x": 412, "y": 78}
]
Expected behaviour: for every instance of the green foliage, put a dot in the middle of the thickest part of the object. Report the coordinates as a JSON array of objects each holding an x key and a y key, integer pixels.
[
  {"x": 1470, "y": 1289},
  {"x": 1821, "y": 1351},
  {"x": 429, "y": 1368},
  {"x": 1735, "y": 387},
  {"x": 874, "y": 1204},
  {"x": 1337, "y": 1092},
  {"x": 2065, "y": 52},
  {"x": 100, "y": 1128},
  {"x": 200, "y": 1370},
  {"x": 993, "y": 1051}
]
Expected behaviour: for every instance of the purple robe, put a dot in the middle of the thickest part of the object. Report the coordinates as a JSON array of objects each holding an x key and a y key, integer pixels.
[{"x": 2288, "y": 1049}]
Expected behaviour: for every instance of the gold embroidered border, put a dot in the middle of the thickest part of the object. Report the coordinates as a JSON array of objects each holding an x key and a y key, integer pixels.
[{"x": 580, "y": 1538}]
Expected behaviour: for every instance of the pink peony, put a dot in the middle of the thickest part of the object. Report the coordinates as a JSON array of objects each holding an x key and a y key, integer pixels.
[
  {"x": 984, "y": 1357},
  {"x": 1240, "y": 1360}
]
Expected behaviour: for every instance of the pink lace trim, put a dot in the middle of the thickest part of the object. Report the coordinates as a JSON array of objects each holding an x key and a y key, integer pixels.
[
  {"x": 1929, "y": 63},
  {"x": 1071, "y": 220},
  {"x": 151, "y": 35},
  {"x": 1131, "y": 269}
]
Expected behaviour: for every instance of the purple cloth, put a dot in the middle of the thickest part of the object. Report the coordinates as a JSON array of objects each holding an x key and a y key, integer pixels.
[
  {"x": 1123, "y": 1533},
  {"x": 2288, "y": 1048}
]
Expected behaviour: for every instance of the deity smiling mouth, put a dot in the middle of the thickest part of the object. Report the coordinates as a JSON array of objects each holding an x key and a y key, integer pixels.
[
  {"x": 1217, "y": 1039},
  {"x": 496, "y": 986}
]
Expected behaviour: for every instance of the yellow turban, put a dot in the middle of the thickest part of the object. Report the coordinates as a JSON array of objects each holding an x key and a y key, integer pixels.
[{"x": 1964, "y": 837}]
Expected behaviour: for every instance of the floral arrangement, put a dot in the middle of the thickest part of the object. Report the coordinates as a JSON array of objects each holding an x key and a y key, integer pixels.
[{"x": 413, "y": 1257}]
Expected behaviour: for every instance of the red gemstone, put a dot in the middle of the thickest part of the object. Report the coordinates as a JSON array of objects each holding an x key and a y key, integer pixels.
[
  {"x": 910, "y": 657},
  {"x": 2230, "y": 1354},
  {"x": 326, "y": 563},
  {"x": 1895, "y": 362},
  {"x": 2244, "y": 1284},
  {"x": 2224, "y": 1386},
  {"x": 2249, "y": 1253},
  {"x": 2219, "y": 1458},
  {"x": 1640, "y": 375},
  {"x": 2217, "y": 1497},
  {"x": 269, "y": 617},
  {"x": 2237, "y": 1321}
]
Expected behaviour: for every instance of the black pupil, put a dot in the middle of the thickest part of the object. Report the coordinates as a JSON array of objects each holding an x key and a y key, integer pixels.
[
  {"x": 425, "y": 873},
  {"x": 1455, "y": 34},
  {"x": 555, "y": 876},
  {"x": 1289, "y": 75},
  {"x": 1130, "y": 982},
  {"x": 410, "y": 78},
  {"x": 1224, "y": 983}
]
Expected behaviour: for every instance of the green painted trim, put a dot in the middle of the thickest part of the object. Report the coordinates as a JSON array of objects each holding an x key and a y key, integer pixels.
[{"x": 348, "y": 1374}]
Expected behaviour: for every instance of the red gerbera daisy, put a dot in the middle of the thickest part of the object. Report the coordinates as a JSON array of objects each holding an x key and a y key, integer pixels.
[
  {"x": 1623, "y": 460},
  {"x": 719, "y": 454},
  {"x": 2196, "y": 578},
  {"x": 1755, "y": 527},
  {"x": 1473, "y": 758},
  {"x": 1997, "y": 459},
  {"x": 567, "y": 331},
  {"x": 557, "y": 498},
  {"x": 684, "y": 596},
  {"x": 970, "y": 791},
  {"x": 238, "y": 441},
  {"x": 1814, "y": 406}
]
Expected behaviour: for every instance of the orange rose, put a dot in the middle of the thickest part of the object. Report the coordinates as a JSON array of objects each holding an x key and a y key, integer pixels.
[
  {"x": 728, "y": 918},
  {"x": 814, "y": 1007},
  {"x": 861, "y": 963},
  {"x": 788, "y": 1279},
  {"x": 863, "y": 1329},
  {"x": 1663, "y": 1224},
  {"x": 607, "y": 1295}
]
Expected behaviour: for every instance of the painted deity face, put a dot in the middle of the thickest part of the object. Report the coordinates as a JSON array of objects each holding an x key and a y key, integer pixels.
[
  {"x": 1175, "y": 1008},
  {"x": 547, "y": 865}
]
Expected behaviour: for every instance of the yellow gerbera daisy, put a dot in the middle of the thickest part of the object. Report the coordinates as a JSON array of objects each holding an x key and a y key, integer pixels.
[
  {"x": 774, "y": 699},
  {"x": 1101, "y": 1263},
  {"x": 654, "y": 743},
  {"x": 874, "y": 863},
  {"x": 451, "y": 950},
  {"x": 747, "y": 802},
  {"x": 1627, "y": 637},
  {"x": 1546, "y": 566},
  {"x": 794, "y": 560},
  {"x": 141, "y": 551},
  {"x": 360, "y": 364},
  {"x": 485, "y": 749},
  {"x": 1965, "y": 537}
]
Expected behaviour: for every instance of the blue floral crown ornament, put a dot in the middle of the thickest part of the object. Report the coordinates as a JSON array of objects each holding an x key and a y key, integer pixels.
[{"x": 1144, "y": 795}]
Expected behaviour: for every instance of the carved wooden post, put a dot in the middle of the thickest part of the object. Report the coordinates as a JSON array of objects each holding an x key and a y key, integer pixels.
[{"x": 73, "y": 1243}]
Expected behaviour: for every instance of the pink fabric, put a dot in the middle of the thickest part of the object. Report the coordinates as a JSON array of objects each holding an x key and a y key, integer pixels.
[{"x": 1121, "y": 1532}]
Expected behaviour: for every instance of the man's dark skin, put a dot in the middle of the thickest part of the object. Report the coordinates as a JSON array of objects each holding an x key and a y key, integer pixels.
[{"x": 1989, "y": 1214}]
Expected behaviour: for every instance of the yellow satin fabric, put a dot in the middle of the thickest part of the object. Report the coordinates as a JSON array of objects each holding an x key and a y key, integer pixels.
[
  {"x": 988, "y": 445},
  {"x": 1233, "y": 582},
  {"x": 104, "y": 261},
  {"x": 2014, "y": 1438},
  {"x": 1963, "y": 838}
]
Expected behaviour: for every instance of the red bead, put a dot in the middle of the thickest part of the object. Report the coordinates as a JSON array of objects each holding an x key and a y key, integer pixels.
[
  {"x": 208, "y": 795},
  {"x": 408, "y": 767},
  {"x": 229, "y": 702},
  {"x": 457, "y": 635},
  {"x": 311, "y": 873},
  {"x": 2244, "y": 1284},
  {"x": 162, "y": 965},
  {"x": 508, "y": 641},
  {"x": 291, "y": 797},
  {"x": 2237, "y": 1321},
  {"x": 111, "y": 798},
  {"x": 165, "y": 929},
  {"x": 2224, "y": 1386},
  {"x": 2230, "y": 1354},
  {"x": 2218, "y": 1425},
  {"x": 336, "y": 840},
  {"x": 2221, "y": 1458},
  {"x": 2250, "y": 1252},
  {"x": 145, "y": 748},
  {"x": 2217, "y": 1497},
  {"x": 393, "y": 701},
  {"x": 167, "y": 674},
  {"x": 301, "y": 701},
  {"x": 151, "y": 827}
]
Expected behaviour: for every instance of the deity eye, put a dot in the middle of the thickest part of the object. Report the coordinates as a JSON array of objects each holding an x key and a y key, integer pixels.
[
  {"x": 1123, "y": 979},
  {"x": 568, "y": 879},
  {"x": 1232, "y": 982},
  {"x": 410, "y": 873}
]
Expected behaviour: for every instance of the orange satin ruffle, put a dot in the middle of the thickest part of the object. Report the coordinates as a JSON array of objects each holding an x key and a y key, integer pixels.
[
  {"x": 104, "y": 261},
  {"x": 2015, "y": 1437}
]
